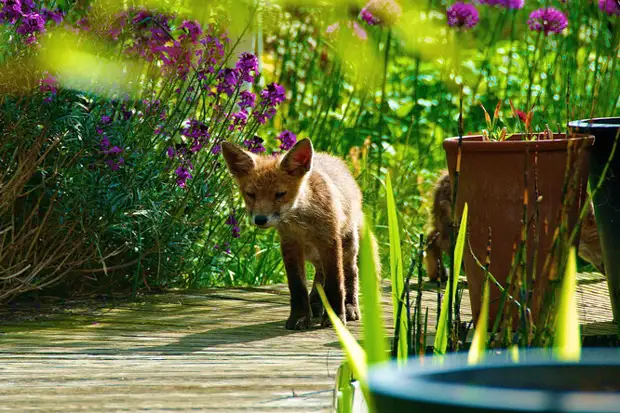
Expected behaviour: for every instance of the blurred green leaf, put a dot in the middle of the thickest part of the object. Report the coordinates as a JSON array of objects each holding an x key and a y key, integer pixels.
[
  {"x": 567, "y": 339},
  {"x": 374, "y": 332}
]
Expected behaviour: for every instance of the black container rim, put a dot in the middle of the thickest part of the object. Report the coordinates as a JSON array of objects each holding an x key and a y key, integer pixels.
[
  {"x": 596, "y": 123},
  {"x": 410, "y": 382}
]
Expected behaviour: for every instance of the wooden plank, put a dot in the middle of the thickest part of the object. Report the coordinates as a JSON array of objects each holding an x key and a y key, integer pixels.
[{"x": 212, "y": 350}]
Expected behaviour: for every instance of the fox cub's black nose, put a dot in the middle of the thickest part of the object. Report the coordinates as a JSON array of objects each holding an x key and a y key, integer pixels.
[{"x": 260, "y": 220}]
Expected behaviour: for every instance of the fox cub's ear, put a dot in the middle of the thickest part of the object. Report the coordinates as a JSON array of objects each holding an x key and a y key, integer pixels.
[
  {"x": 298, "y": 160},
  {"x": 239, "y": 162}
]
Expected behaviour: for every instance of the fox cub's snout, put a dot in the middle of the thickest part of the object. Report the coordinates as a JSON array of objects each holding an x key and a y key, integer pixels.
[
  {"x": 315, "y": 204},
  {"x": 269, "y": 186}
]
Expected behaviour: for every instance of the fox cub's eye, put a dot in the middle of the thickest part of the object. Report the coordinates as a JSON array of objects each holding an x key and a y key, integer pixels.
[
  {"x": 251, "y": 194},
  {"x": 280, "y": 194}
]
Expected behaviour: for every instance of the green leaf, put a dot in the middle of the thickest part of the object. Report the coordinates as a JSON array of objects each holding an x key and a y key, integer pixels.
[
  {"x": 441, "y": 337},
  {"x": 567, "y": 339},
  {"x": 344, "y": 390},
  {"x": 356, "y": 356},
  {"x": 479, "y": 343},
  {"x": 396, "y": 269},
  {"x": 374, "y": 332}
]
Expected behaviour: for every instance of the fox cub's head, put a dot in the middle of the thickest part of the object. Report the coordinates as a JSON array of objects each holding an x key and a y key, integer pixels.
[{"x": 269, "y": 184}]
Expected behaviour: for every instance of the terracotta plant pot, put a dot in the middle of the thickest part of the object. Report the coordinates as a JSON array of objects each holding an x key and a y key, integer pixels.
[
  {"x": 492, "y": 182},
  {"x": 537, "y": 383},
  {"x": 607, "y": 199}
]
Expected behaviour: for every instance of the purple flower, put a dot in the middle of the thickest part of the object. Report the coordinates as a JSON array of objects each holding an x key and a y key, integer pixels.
[
  {"x": 83, "y": 24},
  {"x": 183, "y": 174},
  {"x": 11, "y": 11},
  {"x": 462, "y": 15},
  {"x": 104, "y": 143},
  {"x": 115, "y": 150},
  {"x": 217, "y": 148},
  {"x": 192, "y": 29},
  {"x": 247, "y": 99},
  {"x": 381, "y": 12},
  {"x": 359, "y": 31},
  {"x": 610, "y": 7},
  {"x": 171, "y": 152},
  {"x": 196, "y": 129},
  {"x": 288, "y": 139},
  {"x": 232, "y": 221},
  {"x": 265, "y": 115},
  {"x": 213, "y": 53},
  {"x": 548, "y": 20},
  {"x": 105, "y": 119},
  {"x": 239, "y": 120},
  {"x": 333, "y": 28},
  {"x": 31, "y": 24},
  {"x": 227, "y": 81},
  {"x": 254, "y": 145},
  {"x": 247, "y": 65},
  {"x": 115, "y": 165},
  {"x": 48, "y": 85},
  {"x": 508, "y": 4},
  {"x": 56, "y": 16},
  {"x": 367, "y": 16},
  {"x": 273, "y": 95}
]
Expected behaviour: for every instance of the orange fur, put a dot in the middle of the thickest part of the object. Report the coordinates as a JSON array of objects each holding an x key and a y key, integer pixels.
[
  {"x": 315, "y": 204},
  {"x": 439, "y": 238}
]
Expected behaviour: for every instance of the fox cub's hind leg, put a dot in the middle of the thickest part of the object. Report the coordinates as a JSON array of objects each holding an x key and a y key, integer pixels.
[
  {"x": 331, "y": 261},
  {"x": 315, "y": 299},
  {"x": 301, "y": 315},
  {"x": 350, "y": 251}
]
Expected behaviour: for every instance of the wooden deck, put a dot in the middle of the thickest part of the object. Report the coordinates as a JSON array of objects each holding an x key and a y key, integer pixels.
[{"x": 212, "y": 351}]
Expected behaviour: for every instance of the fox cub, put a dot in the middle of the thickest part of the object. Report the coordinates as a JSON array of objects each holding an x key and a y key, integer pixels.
[
  {"x": 315, "y": 204},
  {"x": 439, "y": 237}
]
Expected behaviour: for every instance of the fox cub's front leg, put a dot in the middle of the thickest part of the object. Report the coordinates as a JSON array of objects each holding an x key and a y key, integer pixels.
[{"x": 301, "y": 315}]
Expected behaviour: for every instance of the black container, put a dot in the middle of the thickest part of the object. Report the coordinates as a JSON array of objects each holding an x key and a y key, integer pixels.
[
  {"x": 537, "y": 383},
  {"x": 607, "y": 199}
]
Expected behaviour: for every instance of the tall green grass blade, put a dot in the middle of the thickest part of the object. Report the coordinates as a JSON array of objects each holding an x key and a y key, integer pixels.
[
  {"x": 344, "y": 391},
  {"x": 479, "y": 343},
  {"x": 567, "y": 339},
  {"x": 396, "y": 269},
  {"x": 375, "y": 335},
  {"x": 356, "y": 356},
  {"x": 441, "y": 337}
]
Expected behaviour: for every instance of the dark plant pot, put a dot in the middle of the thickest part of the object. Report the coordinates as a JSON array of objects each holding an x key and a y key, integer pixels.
[
  {"x": 537, "y": 383},
  {"x": 607, "y": 199},
  {"x": 492, "y": 182}
]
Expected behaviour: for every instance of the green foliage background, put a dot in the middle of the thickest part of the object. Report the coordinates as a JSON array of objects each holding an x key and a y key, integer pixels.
[{"x": 384, "y": 105}]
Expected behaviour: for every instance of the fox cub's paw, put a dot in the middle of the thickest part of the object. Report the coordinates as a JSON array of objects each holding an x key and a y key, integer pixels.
[
  {"x": 326, "y": 322},
  {"x": 353, "y": 312},
  {"x": 299, "y": 322}
]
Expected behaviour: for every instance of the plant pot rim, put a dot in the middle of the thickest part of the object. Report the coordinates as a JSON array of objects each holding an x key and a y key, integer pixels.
[
  {"x": 596, "y": 123},
  {"x": 412, "y": 382},
  {"x": 475, "y": 143}
]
